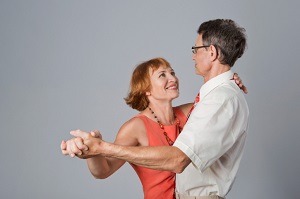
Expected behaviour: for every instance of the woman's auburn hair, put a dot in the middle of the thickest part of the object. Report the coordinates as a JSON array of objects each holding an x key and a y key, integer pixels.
[{"x": 140, "y": 83}]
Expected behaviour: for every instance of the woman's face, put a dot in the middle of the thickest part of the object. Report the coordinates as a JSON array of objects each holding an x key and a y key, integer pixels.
[{"x": 164, "y": 84}]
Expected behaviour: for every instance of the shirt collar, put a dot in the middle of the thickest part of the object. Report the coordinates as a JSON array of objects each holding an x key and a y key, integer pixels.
[{"x": 214, "y": 82}]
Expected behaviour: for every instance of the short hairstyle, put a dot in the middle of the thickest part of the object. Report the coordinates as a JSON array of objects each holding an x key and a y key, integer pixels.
[
  {"x": 140, "y": 83},
  {"x": 228, "y": 38}
]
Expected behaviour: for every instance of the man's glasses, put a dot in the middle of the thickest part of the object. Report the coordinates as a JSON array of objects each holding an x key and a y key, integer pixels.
[{"x": 195, "y": 48}]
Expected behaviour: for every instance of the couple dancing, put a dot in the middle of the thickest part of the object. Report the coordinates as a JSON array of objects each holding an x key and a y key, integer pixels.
[{"x": 200, "y": 143}]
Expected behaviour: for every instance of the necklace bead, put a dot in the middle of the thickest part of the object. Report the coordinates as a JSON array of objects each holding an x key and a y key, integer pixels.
[{"x": 170, "y": 142}]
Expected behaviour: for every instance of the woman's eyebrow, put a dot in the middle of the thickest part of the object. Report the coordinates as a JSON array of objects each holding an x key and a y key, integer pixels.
[{"x": 162, "y": 71}]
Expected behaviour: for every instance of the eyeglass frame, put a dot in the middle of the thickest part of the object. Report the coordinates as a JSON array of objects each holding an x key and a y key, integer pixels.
[{"x": 195, "y": 48}]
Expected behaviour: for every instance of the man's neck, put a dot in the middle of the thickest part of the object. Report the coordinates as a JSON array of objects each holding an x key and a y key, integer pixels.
[{"x": 215, "y": 71}]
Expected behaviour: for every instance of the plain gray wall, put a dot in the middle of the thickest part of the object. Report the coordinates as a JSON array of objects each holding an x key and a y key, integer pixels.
[{"x": 67, "y": 64}]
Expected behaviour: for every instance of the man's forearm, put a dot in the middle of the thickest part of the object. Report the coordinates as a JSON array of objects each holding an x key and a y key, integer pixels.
[{"x": 154, "y": 157}]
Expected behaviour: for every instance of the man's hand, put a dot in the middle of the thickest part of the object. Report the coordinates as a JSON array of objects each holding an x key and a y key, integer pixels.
[
  {"x": 77, "y": 146},
  {"x": 92, "y": 140}
]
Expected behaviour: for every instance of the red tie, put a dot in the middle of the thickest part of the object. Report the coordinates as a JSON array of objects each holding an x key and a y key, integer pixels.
[{"x": 197, "y": 99}]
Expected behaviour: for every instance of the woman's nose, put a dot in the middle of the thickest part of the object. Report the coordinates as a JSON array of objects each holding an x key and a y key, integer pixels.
[{"x": 172, "y": 78}]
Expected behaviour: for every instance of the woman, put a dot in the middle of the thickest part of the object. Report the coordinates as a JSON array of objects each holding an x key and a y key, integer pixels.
[{"x": 153, "y": 87}]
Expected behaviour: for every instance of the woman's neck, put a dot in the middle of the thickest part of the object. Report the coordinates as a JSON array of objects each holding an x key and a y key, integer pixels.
[{"x": 163, "y": 112}]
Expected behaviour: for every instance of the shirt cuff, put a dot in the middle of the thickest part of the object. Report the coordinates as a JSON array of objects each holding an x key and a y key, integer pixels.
[{"x": 198, "y": 164}]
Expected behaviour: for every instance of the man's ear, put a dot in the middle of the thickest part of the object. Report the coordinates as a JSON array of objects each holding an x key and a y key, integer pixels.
[{"x": 213, "y": 52}]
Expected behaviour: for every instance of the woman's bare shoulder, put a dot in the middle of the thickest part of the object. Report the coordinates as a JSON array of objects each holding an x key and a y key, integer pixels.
[
  {"x": 185, "y": 108},
  {"x": 132, "y": 132}
]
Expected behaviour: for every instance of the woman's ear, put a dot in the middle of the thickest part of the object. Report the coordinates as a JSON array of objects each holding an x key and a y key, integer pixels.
[{"x": 148, "y": 93}]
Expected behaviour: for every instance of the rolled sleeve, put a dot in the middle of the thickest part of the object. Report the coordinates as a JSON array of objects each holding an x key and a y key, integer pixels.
[{"x": 190, "y": 153}]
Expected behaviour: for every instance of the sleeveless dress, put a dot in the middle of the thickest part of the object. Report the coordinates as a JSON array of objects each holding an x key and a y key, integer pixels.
[{"x": 159, "y": 184}]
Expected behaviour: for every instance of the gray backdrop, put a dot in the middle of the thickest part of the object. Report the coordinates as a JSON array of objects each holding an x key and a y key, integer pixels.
[{"x": 67, "y": 64}]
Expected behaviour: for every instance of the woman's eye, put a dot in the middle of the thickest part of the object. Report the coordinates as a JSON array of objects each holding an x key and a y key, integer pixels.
[
  {"x": 173, "y": 73},
  {"x": 162, "y": 75}
]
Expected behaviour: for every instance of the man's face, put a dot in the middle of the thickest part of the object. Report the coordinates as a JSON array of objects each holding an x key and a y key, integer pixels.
[{"x": 201, "y": 58}]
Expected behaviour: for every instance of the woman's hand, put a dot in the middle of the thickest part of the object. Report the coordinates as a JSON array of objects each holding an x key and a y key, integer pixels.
[{"x": 239, "y": 82}]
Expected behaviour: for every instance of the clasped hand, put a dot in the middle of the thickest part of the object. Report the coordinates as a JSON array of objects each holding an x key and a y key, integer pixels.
[{"x": 84, "y": 144}]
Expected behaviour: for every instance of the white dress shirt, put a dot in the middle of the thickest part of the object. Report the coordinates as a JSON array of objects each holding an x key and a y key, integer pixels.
[{"x": 213, "y": 138}]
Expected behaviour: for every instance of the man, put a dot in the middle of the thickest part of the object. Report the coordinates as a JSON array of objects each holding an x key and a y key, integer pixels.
[{"x": 207, "y": 153}]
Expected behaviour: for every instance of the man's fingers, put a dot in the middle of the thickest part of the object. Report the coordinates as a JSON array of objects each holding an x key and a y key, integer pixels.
[
  {"x": 74, "y": 145},
  {"x": 80, "y": 145},
  {"x": 96, "y": 134}
]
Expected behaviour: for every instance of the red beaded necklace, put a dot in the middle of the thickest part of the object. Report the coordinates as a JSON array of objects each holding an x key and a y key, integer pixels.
[{"x": 170, "y": 142}]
